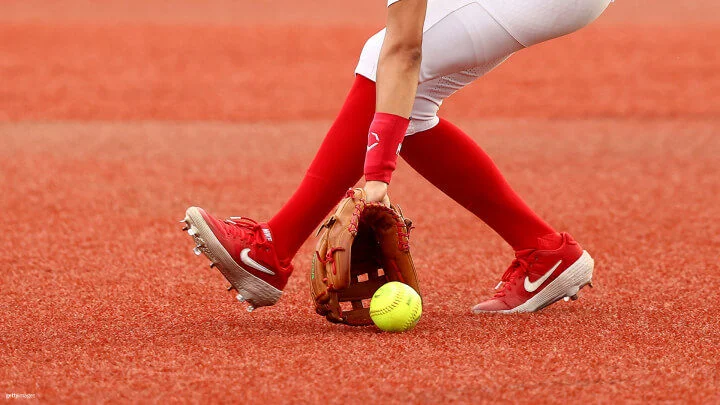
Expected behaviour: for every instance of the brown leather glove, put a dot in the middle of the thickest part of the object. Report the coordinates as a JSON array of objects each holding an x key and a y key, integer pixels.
[{"x": 363, "y": 245}]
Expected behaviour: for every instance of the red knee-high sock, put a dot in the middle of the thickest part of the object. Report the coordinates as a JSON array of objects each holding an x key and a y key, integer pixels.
[
  {"x": 455, "y": 164},
  {"x": 337, "y": 166}
]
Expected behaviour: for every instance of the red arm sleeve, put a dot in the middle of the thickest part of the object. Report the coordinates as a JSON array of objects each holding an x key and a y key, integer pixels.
[{"x": 385, "y": 137}]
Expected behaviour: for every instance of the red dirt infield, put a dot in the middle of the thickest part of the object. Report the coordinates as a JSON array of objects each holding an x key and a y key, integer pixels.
[{"x": 115, "y": 118}]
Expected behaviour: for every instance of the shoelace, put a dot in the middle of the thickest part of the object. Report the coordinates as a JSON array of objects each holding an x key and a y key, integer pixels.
[
  {"x": 518, "y": 268},
  {"x": 245, "y": 229}
]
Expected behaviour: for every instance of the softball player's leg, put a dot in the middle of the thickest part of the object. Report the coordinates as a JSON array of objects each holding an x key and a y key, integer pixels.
[
  {"x": 454, "y": 163},
  {"x": 256, "y": 257},
  {"x": 535, "y": 21},
  {"x": 460, "y": 44}
]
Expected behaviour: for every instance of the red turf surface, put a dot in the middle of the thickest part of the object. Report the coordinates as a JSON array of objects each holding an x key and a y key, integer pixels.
[{"x": 611, "y": 134}]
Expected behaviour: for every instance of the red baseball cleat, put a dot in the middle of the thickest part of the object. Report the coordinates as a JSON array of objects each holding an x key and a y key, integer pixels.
[
  {"x": 243, "y": 251},
  {"x": 538, "y": 278}
]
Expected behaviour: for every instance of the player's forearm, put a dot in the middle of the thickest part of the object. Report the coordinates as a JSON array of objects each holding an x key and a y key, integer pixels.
[
  {"x": 400, "y": 57},
  {"x": 397, "y": 78}
]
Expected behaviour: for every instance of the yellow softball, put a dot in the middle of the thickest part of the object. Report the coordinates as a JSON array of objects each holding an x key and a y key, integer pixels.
[{"x": 395, "y": 307}]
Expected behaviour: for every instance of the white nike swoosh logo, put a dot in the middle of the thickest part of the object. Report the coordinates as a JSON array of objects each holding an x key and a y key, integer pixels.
[
  {"x": 252, "y": 263},
  {"x": 372, "y": 146},
  {"x": 531, "y": 287}
]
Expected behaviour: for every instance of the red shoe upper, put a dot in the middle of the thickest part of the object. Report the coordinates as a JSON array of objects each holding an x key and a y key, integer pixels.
[
  {"x": 238, "y": 234},
  {"x": 530, "y": 272}
]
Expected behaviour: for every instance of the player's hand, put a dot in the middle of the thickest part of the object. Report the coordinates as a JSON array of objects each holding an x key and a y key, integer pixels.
[{"x": 376, "y": 191}]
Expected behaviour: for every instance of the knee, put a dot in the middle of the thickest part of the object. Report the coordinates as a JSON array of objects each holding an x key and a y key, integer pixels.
[
  {"x": 424, "y": 113},
  {"x": 417, "y": 125}
]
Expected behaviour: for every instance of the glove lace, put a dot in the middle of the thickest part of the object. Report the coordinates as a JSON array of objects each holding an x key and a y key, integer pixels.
[
  {"x": 403, "y": 231},
  {"x": 329, "y": 258}
]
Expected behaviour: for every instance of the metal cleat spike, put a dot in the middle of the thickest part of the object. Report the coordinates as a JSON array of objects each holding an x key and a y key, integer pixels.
[
  {"x": 590, "y": 284},
  {"x": 184, "y": 220},
  {"x": 250, "y": 308},
  {"x": 566, "y": 299},
  {"x": 185, "y": 228},
  {"x": 574, "y": 297},
  {"x": 212, "y": 265},
  {"x": 191, "y": 232},
  {"x": 240, "y": 298},
  {"x": 197, "y": 250},
  {"x": 230, "y": 287}
]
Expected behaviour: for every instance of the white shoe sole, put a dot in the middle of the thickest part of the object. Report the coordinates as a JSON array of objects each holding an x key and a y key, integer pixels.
[
  {"x": 566, "y": 285},
  {"x": 250, "y": 288}
]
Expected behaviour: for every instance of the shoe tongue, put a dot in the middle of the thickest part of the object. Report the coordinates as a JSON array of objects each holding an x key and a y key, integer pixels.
[
  {"x": 551, "y": 241},
  {"x": 524, "y": 253},
  {"x": 266, "y": 232}
]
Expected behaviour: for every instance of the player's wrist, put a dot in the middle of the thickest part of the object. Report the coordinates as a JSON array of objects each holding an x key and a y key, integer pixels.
[
  {"x": 385, "y": 137},
  {"x": 375, "y": 191},
  {"x": 379, "y": 176}
]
